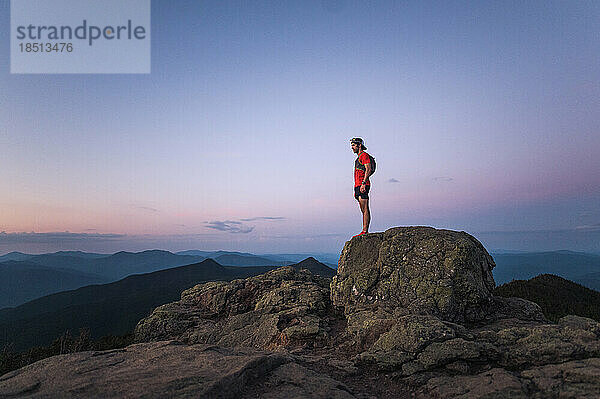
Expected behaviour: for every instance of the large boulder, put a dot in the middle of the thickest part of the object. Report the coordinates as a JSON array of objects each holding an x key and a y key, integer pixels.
[
  {"x": 420, "y": 269},
  {"x": 282, "y": 308}
]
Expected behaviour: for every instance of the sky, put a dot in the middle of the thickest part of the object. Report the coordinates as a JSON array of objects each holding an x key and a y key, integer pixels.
[{"x": 483, "y": 117}]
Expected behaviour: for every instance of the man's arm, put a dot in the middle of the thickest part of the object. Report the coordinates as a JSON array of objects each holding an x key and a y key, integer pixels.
[{"x": 368, "y": 172}]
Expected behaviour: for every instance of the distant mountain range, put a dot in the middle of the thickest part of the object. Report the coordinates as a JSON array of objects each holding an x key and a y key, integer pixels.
[
  {"x": 115, "y": 308},
  {"x": 33, "y": 276},
  {"x": 556, "y": 296},
  {"x": 21, "y": 256},
  {"x": 22, "y": 281},
  {"x": 248, "y": 260},
  {"x": 118, "y": 265},
  {"x": 49, "y": 273},
  {"x": 582, "y": 268},
  {"x": 59, "y": 271},
  {"x": 330, "y": 259}
]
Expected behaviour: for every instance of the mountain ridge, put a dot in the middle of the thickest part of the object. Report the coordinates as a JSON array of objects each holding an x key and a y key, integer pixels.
[
  {"x": 120, "y": 303},
  {"x": 409, "y": 313}
]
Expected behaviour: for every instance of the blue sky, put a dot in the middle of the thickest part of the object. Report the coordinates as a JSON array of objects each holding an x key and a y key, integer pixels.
[{"x": 483, "y": 117}]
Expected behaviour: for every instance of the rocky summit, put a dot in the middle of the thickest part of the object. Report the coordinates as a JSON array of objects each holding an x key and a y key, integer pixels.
[
  {"x": 409, "y": 314},
  {"x": 421, "y": 270},
  {"x": 282, "y": 308}
]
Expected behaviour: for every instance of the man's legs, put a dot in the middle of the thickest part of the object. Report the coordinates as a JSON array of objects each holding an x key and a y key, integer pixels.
[{"x": 364, "y": 208}]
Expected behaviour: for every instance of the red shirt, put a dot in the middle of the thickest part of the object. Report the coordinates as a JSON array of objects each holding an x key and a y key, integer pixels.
[{"x": 359, "y": 169}]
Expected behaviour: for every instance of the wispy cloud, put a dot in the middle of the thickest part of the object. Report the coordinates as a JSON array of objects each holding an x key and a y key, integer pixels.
[
  {"x": 230, "y": 226},
  {"x": 53, "y": 237},
  {"x": 263, "y": 218},
  {"x": 238, "y": 226},
  {"x": 443, "y": 178},
  {"x": 392, "y": 180},
  {"x": 585, "y": 227},
  {"x": 146, "y": 208}
]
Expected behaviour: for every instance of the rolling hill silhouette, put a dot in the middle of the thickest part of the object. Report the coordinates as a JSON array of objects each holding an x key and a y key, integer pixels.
[
  {"x": 247, "y": 260},
  {"x": 115, "y": 308},
  {"x": 556, "y": 296},
  {"x": 74, "y": 269},
  {"x": 22, "y": 281},
  {"x": 570, "y": 265},
  {"x": 14, "y": 255}
]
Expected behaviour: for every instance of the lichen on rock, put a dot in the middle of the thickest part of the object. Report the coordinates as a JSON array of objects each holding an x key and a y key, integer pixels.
[
  {"x": 424, "y": 270},
  {"x": 284, "y": 307}
]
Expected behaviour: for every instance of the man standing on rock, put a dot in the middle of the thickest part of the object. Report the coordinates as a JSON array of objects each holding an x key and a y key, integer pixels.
[{"x": 362, "y": 170}]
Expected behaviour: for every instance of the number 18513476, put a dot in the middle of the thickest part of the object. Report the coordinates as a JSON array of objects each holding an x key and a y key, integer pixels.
[{"x": 46, "y": 47}]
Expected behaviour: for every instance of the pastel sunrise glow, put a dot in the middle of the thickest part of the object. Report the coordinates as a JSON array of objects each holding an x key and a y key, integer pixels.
[{"x": 483, "y": 117}]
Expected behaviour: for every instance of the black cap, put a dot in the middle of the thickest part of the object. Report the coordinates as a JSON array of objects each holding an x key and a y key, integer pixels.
[{"x": 358, "y": 140}]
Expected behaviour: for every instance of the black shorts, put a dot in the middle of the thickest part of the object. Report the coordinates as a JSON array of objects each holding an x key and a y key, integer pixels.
[{"x": 364, "y": 195}]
